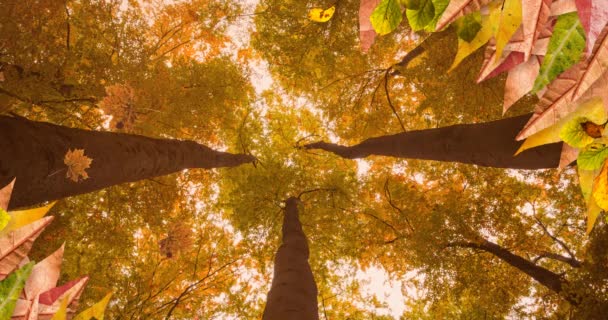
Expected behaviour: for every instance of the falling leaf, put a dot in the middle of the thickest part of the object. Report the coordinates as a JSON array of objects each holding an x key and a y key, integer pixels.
[
  {"x": 555, "y": 103},
  {"x": 565, "y": 49},
  {"x": 508, "y": 22},
  {"x": 77, "y": 163},
  {"x": 520, "y": 81},
  {"x": 420, "y": 17},
  {"x": 4, "y": 219},
  {"x": 62, "y": 312},
  {"x": 482, "y": 37},
  {"x": 567, "y": 156},
  {"x": 5, "y": 194},
  {"x": 45, "y": 275},
  {"x": 595, "y": 66},
  {"x": 594, "y": 16},
  {"x": 16, "y": 244},
  {"x": 458, "y": 8},
  {"x": 592, "y": 110},
  {"x": 10, "y": 289},
  {"x": 95, "y": 311},
  {"x": 574, "y": 134},
  {"x": 366, "y": 30},
  {"x": 593, "y": 156},
  {"x": 386, "y": 16},
  {"x": 22, "y": 218},
  {"x": 320, "y": 15},
  {"x": 535, "y": 14}
]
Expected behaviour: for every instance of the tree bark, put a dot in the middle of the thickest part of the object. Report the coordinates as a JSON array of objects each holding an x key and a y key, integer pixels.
[
  {"x": 33, "y": 153},
  {"x": 547, "y": 278},
  {"x": 489, "y": 144},
  {"x": 293, "y": 293}
]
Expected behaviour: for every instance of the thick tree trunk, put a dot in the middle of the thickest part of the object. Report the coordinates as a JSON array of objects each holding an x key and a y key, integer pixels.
[
  {"x": 490, "y": 144},
  {"x": 293, "y": 293},
  {"x": 33, "y": 153},
  {"x": 547, "y": 278}
]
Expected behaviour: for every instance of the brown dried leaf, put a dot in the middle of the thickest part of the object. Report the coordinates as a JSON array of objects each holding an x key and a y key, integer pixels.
[
  {"x": 535, "y": 14},
  {"x": 15, "y": 245},
  {"x": 5, "y": 195},
  {"x": 45, "y": 275},
  {"x": 596, "y": 65},
  {"x": 77, "y": 163},
  {"x": 520, "y": 81},
  {"x": 458, "y": 8}
]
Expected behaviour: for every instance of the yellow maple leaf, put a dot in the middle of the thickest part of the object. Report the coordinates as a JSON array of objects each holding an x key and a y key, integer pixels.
[
  {"x": 510, "y": 20},
  {"x": 77, "y": 163}
]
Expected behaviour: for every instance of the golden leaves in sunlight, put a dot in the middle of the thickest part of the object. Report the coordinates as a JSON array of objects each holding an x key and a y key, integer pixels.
[
  {"x": 179, "y": 239},
  {"x": 119, "y": 103},
  {"x": 77, "y": 164}
]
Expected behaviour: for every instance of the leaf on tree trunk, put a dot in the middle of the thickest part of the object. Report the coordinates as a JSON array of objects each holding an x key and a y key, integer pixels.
[
  {"x": 77, "y": 163},
  {"x": 459, "y": 8},
  {"x": 366, "y": 30},
  {"x": 5, "y": 195},
  {"x": 95, "y": 311},
  {"x": 10, "y": 289},
  {"x": 594, "y": 16},
  {"x": 565, "y": 49},
  {"x": 16, "y": 244}
]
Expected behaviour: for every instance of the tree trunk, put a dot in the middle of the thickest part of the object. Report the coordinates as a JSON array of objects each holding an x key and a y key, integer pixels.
[
  {"x": 547, "y": 278},
  {"x": 293, "y": 293},
  {"x": 490, "y": 144},
  {"x": 33, "y": 153}
]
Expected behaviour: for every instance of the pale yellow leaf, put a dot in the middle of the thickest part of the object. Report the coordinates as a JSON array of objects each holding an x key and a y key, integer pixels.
[
  {"x": 97, "y": 310},
  {"x": 508, "y": 22},
  {"x": 22, "y": 218},
  {"x": 320, "y": 15},
  {"x": 592, "y": 110}
]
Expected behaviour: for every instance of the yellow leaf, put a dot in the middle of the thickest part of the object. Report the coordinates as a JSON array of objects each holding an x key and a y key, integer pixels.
[
  {"x": 97, "y": 310},
  {"x": 320, "y": 15},
  {"x": 465, "y": 48},
  {"x": 509, "y": 21},
  {"x": 77, "y": 163},
  {"x": 62, "y": 312},
  {"x": 24, "y": 217},
  {"x": 592, "y": 110},
  {"x": 593, "y": 211},
  {"x": 600, "y": 197}
]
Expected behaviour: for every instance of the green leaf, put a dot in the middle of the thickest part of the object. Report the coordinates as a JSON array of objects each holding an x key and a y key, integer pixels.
[
  {"x": 468, "y": 26},
  {"x": 412, "y": 4},
  {"x": 421, "y": 17},
  {"x": 573, "y": 133},
  {"x": 10, "y": 289},
  {"x": 4, "y": 219},
  {"x": 565, "y": 49},
  {"x": 592, "y": 156},
  {"x": 386, "y": 17},
  {"x": 440, "y": 6}
]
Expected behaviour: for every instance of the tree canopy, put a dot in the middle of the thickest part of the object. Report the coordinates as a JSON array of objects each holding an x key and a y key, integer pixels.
[{"x": 266, "y": 81}]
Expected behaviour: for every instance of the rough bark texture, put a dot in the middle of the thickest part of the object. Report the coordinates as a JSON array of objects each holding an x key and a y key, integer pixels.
[
  {"x": 547, "y": 278},
  {"x": 489, "y": 144},
  {"x": 293, "y": 293},
  {"x": 33, "y": 152}
]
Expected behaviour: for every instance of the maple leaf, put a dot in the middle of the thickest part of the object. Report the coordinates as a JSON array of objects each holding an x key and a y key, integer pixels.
[{"x": 77, "y": 163}]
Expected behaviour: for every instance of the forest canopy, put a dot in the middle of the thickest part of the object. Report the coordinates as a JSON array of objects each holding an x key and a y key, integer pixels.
[{"x": 420, "y": 159}]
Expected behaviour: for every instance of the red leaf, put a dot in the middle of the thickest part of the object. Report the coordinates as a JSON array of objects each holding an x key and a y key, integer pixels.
[{"x": 594, "y": 16}]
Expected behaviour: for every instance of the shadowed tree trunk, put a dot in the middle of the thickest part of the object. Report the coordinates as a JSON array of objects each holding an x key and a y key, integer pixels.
[
  {"x": 293, "y": 293},
  {"x": 547, "y": 278},
  {"x": 33, "y": 153},
  {"x": 489, "y": 144}
]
